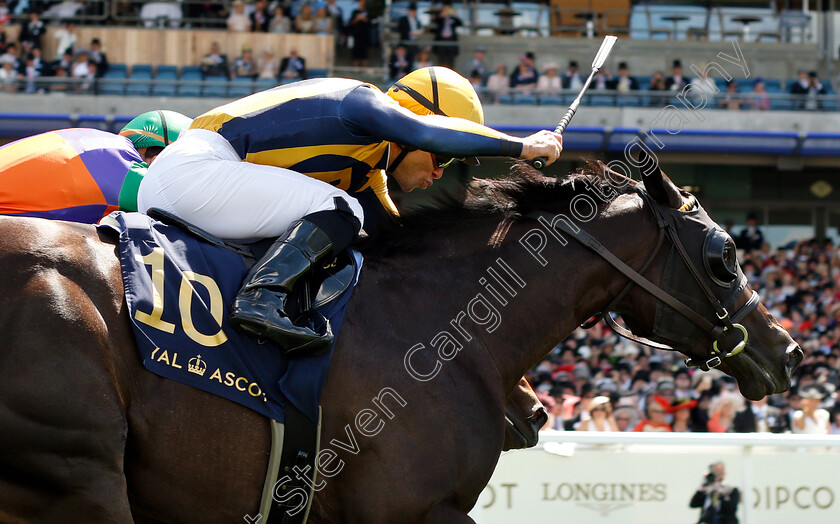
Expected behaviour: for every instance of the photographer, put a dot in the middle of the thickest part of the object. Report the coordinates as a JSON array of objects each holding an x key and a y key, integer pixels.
[{"x": 718, "y": 501}]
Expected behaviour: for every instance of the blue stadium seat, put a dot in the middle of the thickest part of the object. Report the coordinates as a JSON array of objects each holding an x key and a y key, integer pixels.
[
  {"x": 165, "y": 83},
  {"x": 114, "y": 80},
  {"x": 140, "y": 84},
  {"x": 265, "y": 83},
  {"x": 318, "y": 73},
  {"x": 241, "y": 86},
  {"x": 190, "y": 69},
  {"x": 216, "y": 89},
  {"x": 190, "y": 85},
  {"x": 141, "y": 69},
  {"x": 167, "y": 69}
]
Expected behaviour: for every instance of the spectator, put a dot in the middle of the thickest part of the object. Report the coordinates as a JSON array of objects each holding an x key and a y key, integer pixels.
[
  {"x": 498, "y": 82},
  {"x": 423, "y": 58},
  {"x": 703, "y": 90},
  {"x": 260, "y": 17},
  {"x": 65, "y": 38},
  {"x": 214, "y": 63},
  {"x": 304, "y": 21},
  {"x": 759, "y": 99},
  {"x": 238, "y": 21},
  {"x": 812, "y": 419},
  {"x": 359, "y": 29},
  {"x": 280, "y": 23},
  {"x": 623, "y": 82},
  {"x": 676, "y": 82},
  {"x": 410, "y": 28},
  {"x": 400, "y": 63},
  {"x": 65, "y": 62},
  {"x": 8, "y": 74},
  {"x": 267, "y": 65},
  {"x": 244, "y": 65},
  {"x": 445, "y": 29},
  {"x": 98, "y": 57},
  {"x": 602, "y": 80},
  {"x": 571, "y": 78},
  {"x": 751, "y": 237},
  {"x": 598, "y": 417},
  {"x": 656, "y": 415},
  {"x": 681, "y": 411},
  {"x": 811, "y": 92},
  {"x": 33, "y": 30},
  {"x": 60, "y": 71},
  {"x": 626, "y": 418},
  {"x": 80, "y": 70},
  {"x": 293, "y": 67},
  {"x": 549, "y": 80},
  {"x": 31, "y": 72},
  {"x": 11, "y": 55},
  {"x": 758, "y": 417},
  {"x": 524, "y": 76},
  {"x": 731, "y": 100},
  {"x": 323, "y": 22},
  {"x": 478, "y": 68},
  {"x": 2, "y": 37},
  {"x": 718, "y": 502},
  {"x": 337, "y": 19},
  {"x": 723, "y": 410}
]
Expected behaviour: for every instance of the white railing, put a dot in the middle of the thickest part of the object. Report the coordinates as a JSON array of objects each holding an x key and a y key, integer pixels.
[{"x": 649, "y": 478}]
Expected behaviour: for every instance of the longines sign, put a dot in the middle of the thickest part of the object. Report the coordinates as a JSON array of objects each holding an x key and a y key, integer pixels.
[{"x": 651, "y": 485}]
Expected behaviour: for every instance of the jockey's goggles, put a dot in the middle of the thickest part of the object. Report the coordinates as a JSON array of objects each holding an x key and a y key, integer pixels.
[{"x": 443, "y": 163}]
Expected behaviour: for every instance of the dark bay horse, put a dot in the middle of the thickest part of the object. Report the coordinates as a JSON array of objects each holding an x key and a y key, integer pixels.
[{"x": 439, "y": 330}]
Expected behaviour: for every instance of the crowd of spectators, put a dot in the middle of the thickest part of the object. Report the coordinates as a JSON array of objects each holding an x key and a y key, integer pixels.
[
  {"x": 23, "y": 66},
  {"x": 597, "y": 381}
]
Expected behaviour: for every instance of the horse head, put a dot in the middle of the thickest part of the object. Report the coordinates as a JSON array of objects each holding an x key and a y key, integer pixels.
[{"x": 712, "y": 316}]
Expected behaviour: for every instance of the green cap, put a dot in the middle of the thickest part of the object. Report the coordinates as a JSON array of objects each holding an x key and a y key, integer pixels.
[{"x": 157, "y": 128}]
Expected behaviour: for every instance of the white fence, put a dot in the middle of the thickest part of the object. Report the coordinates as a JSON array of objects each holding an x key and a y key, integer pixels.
[{"x": 644, "y": 478}]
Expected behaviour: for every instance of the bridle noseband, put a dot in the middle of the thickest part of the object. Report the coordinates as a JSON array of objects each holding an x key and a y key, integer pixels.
[{"x": 718, "y": 330}]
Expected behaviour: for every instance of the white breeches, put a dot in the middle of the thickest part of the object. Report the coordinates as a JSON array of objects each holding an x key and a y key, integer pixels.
[{"x": 200, "y": 179}]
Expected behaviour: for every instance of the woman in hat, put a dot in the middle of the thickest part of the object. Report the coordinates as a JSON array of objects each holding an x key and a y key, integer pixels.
[
  {"x": 599, "y": 417},
  {"x": 681, "y": 410},
  {"x": 657, "y": 410},
  {"x": 549, "y": 80},
  {"x": 811, "y": 419}
]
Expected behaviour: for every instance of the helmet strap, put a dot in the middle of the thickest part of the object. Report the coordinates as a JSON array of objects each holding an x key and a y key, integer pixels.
[
  {"x": 165, "y": 131},
  {"x": 432, "y": 105},
  {"x": 404, "y": 150}
]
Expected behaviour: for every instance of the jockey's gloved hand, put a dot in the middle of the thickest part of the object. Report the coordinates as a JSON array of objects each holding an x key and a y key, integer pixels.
[{"x": 542, "y": 144}]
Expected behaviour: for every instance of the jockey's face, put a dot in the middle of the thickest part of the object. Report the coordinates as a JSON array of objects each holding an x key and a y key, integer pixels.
[
  {"x": 418, "y": 169},
  {"x": 148, "y": 154}
]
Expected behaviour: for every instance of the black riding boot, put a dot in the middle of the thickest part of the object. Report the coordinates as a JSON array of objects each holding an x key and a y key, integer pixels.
[{"x": 268, "y": 305}]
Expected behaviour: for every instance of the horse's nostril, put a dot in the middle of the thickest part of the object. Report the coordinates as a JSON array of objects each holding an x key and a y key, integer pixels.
[{"x": 795, "y": 356}]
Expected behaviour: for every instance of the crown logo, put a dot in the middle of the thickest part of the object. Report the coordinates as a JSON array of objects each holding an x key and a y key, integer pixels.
[{"x": 197, "y": 366}]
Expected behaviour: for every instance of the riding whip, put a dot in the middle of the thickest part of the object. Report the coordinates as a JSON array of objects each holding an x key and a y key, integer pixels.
[{"x": 600, "y": 58}]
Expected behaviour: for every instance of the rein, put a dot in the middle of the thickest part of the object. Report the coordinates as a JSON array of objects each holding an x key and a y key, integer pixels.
[{"x": 717, "y": 330}]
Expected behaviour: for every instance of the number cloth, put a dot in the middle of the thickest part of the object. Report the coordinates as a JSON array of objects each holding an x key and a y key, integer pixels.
[
  {"x": 179, "y": 290},
  {"x": 79, "y": 175}
]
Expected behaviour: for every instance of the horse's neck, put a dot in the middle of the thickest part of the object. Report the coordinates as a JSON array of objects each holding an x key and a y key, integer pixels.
[{"x": 502, "y": 304}]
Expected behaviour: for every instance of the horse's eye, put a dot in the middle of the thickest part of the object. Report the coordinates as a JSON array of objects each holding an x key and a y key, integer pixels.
[{"x": 720, "y": 258}]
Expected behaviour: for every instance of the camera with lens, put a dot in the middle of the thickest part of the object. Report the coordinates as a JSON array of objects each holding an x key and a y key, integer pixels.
[{"x": 710, "y": 478}]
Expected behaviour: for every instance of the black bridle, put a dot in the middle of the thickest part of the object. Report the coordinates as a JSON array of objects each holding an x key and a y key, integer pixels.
[{"x": 721, "y": 328}]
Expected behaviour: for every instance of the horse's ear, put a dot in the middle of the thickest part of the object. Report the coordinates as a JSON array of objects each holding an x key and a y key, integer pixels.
[{"x": 657, "y": 183}]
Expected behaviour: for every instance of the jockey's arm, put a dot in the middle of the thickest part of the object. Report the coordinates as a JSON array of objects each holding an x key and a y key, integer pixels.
[{"x": 375, "y": 113}]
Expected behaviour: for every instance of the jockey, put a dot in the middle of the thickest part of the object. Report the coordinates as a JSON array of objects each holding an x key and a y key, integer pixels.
[
  {"x": 282, "y": 162},
  {"x": 81, "y": 174}
]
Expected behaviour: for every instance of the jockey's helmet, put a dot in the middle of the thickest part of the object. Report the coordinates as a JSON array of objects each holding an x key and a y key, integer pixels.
[
  {"x": 438, "y": 90},
  {"x": 157, "y": 128}
]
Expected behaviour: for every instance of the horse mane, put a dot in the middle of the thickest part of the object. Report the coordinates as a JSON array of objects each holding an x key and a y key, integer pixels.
[{"x": 522, "y": 190}]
